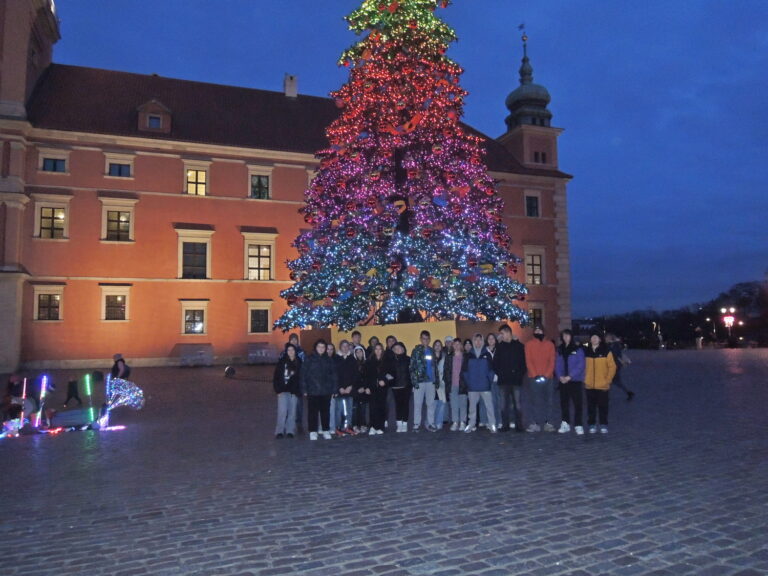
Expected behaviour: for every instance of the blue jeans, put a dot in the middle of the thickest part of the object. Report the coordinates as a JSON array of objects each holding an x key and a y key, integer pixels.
[
  {"x": 342, "y": 413},
  {"x": 458, "y": 406},
  {"x": 286, "y": 413}
]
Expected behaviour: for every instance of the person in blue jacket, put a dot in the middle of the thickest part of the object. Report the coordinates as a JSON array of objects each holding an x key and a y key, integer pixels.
[
  {"x": 569, "y": 371},
  {"x": 478, "y": 375}
]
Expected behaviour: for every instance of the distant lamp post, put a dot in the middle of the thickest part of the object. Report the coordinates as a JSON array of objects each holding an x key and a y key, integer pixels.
[{"x": 728, "y": 318}]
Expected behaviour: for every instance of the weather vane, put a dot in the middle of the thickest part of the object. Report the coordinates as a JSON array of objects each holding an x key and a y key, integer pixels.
[{"x": 521, "y": 27}]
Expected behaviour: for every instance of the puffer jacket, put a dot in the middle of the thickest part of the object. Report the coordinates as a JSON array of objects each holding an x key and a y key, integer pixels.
[
  {"x": 287, "y": 376},
  {"x": 570, "y": 362},
  {"x": 318, "y": 376},
  {"x": 400, "y": 366},
  {"x": 478, "y": 370},
  {"x": 600, "y": 368}
]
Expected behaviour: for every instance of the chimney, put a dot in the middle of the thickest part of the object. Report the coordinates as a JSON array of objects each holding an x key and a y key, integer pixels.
[{"x": 290, "y": 85}]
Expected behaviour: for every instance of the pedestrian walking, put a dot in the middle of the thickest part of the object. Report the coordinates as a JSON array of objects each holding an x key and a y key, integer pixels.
[
  {"x": 616, "y": 346},
  {"x": 569, "y": 371}
]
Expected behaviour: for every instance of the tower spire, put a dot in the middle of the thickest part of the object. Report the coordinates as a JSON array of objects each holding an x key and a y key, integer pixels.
[{"x": 527, "y": 104}]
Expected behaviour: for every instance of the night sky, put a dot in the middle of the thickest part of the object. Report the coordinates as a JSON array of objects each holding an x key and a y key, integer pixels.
[{"x": 664, "y": 106}]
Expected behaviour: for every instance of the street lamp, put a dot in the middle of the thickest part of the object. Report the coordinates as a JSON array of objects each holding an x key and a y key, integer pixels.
[{"x": 728, "y": 318}]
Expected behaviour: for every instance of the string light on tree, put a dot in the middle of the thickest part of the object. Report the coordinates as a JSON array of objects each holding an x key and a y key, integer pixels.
[{"x": 403, "y": 214}]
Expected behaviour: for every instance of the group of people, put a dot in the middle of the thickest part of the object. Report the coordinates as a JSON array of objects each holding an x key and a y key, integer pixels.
[{"x": 471, "y": 384}]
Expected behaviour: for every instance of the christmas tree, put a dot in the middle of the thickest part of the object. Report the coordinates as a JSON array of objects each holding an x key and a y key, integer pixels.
[{"x": 404, "y": 218}]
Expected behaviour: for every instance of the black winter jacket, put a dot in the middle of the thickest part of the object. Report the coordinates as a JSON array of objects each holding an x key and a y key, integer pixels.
[
  {"x": 401, "y": 371},
  {"x": 287, "y": 376},
  {"x": 318, "y": 376},
  {"x": 509, "y": 362}
]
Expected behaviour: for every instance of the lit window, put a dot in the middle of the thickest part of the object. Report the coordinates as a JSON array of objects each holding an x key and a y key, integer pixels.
[
  {"x": 532, "y": 206},
  {"x": 194, "y": 321},
  {"x": 115, "y": 302},
  {"x": 194, "y": 316},
  {"x": 114, "y": 307},
  {"x": 196, "y": 182},
  {"x": 118, "y": 225},
  {"x": 259, "y": 262},
  {"x": 117, "y": 210},
  {"x": 51, "y": 215},
  {"x": 54, "y": 165},
  {"x": 52, "y": 222},
  {"x": 533, "y": 268},
  {"x": 48, "y": 302},
  {"x": 195, "y": 260},
  {"x": 259, "y": 250}
]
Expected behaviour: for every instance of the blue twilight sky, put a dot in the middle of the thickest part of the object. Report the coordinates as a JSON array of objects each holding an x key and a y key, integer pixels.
[{"x": 664, "y": 105}]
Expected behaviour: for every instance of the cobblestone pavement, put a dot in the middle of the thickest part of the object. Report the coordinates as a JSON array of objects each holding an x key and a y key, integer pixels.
[{"x": 197, "y": 485}]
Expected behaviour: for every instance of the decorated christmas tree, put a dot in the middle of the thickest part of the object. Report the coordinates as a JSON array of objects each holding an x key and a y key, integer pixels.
[{"x": 404, "y": 219}]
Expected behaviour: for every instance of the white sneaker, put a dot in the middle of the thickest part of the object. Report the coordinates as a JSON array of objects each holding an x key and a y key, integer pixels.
[
  {"x": 379, "y": 431},
  {"x": 416, "y": 428},
  {"x": 454, "y": 426},
  {"x": 533, "y": 428},
  {"x": 469, "y": 429},
  {"x": 603, "y": 429},
  {"x": 327, "y": 435},
  {"x": 492, "y": 428},
  {"x": 512, "y": 426},
  {"x": 548, "y": 427},
  {"x": 372, "y": 431},
  {"x": 579, "y": 430},
  {"x": 592, "y": 429},
  {"x": 313, "y": 435},
  {"x": 564, "y": 427}
]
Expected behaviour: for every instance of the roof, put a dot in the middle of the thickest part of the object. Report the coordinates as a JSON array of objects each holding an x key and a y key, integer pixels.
[{"x": 78, "y": 99}]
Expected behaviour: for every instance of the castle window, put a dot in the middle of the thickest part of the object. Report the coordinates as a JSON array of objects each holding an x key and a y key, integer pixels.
[
  {"x": 259, "y": 316},
  {"x": 114, "y": 302},
  {"x": 532, "y": 206},
  {"x": 53, "y": 161},
  {"x": 154, "y": 122},
  {"x": 48, "y": 302},
  {"x": 117, "y": 221},
  {"x": 260, "y": 182},
  {"x": 194, "y": 316},
  {"x": 51, "y": 216}
]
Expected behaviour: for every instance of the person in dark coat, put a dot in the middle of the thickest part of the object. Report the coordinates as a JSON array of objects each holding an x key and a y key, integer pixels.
[
  {"x": 361, "y": 394},
  {"x": 401, "y": 385},
  {"x": 287, "y": 385},
  {"x": 318, "y": 382},
  {"x": 348, "y": 376},
  {"x": 509, "y": 365},
  {"x": 378, "y": 374}
]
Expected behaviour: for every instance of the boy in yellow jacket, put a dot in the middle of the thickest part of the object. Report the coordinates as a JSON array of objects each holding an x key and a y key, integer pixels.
[{"x": 600, "y": 371}]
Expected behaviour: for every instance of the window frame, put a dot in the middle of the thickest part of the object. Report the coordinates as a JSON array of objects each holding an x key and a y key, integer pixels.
[
  {"x": 539, "y": 251},
  {"x": 532, "y": 194},
  {"x": 47, "y": 289},
  {"x": 44, "y": 154},
  {"x": 260, "y": 239},
  {"x": 197, "y": 166},
  {"x": 254, "y": 170},
  {"x": 122, "y": 159},
  {"x": 259, "y": 305},
  {"x": 536, "y": 306},
  {"x": 117, "y": 205},
  {"x": 54, "y": 201},
  {"x": 120, "y": 290},
  {"x": 187, "y": 305},
  {"x": 196, "y": 236}
]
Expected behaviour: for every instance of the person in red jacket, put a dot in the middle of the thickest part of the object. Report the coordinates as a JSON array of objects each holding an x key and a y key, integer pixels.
[{"x": 540, "y": 360}]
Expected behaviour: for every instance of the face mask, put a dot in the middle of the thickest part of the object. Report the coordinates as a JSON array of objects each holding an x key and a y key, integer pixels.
[{"x": 539, "y": 336}]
